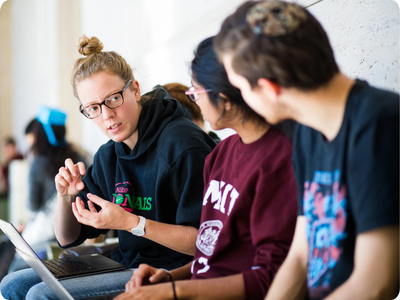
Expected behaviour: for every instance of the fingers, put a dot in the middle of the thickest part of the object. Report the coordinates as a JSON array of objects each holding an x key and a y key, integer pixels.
[
  {"x": 130, "y": 285},
  {"x": 140, "y": 275},
  {"x": 159, "y": 276},
  {"x": 60, "y": 180},
  {"x": 81, "y": 167},
  {"x": 96, "y": 199},
  {"x": 81, "y": 210},
  {"x": 92, "y": 208},
  {"x": 91, "y": 216},
  {"x": 68, "y": 180},
  {"x": 76, "y": 210},
  {"x": 64, "y": 177},
  {"x": 75, "y": 169}
]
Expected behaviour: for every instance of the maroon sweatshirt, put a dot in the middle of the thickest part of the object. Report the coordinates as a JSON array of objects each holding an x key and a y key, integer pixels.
[{"x": 249, "y": 211}]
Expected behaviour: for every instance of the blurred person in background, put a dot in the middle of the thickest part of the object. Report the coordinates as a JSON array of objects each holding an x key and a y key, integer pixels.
[
  {"x": 193, "y": 112},
  {"x": 9, "y": 153},
  {"x": 48, "y": 151}
]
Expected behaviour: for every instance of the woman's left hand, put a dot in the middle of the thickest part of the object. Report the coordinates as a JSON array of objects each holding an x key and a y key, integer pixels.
[
  {"x": 110, "y": 215},
  {"x": 162, "y": 291}
]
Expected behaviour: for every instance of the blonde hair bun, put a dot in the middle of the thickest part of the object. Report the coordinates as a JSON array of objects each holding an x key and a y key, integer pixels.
[{"x": 89, "y": 46}]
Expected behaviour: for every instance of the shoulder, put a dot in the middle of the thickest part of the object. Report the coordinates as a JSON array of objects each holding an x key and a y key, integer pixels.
[
  {"x": 105, "y": 148},
  {"x": 106, "y": 151},
  {"x": 227, "y": 142},
  {"x": 224, "y": 147},
  {"x": 368, "y": 103},
  {"x": 182, "y": 134},
  {"x": 272, "y": 151},
  {"x": 276, "y": 151},
  {"x": 372, "y": 112}
]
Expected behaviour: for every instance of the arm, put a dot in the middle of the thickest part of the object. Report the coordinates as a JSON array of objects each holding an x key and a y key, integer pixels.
[
  {"x": 229, "y": 287},
  {"x": 68, "y": 184},
  {"x": 177, "y": 237},
  {"x": 291, "y": 280},
  {"x": 183, "y": 185},
  {"x": 71, "y": 213},
  {"x": 376, "y": 267},
  {"x": 146, "y": 274}
]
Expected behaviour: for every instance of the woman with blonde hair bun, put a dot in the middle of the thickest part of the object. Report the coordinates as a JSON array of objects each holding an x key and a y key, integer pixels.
[{"x": 146, "y": 181}]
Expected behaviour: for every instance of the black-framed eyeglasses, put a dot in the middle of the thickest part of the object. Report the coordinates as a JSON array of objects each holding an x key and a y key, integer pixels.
[
  {"x": 193, "y": 94},
  {"x": 115, "y": 100}
]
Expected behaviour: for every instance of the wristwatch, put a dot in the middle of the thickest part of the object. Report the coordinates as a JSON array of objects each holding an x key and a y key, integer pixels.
[{"x": 139, "y": 230}]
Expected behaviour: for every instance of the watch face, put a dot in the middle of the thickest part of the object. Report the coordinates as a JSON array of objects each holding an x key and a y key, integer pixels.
[{"x": 138, "y": 231}]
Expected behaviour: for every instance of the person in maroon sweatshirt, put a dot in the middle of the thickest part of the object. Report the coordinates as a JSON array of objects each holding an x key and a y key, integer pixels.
[{"x": 249, "y": 205}]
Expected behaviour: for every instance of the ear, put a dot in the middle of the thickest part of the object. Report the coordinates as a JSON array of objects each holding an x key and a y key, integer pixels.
[
  {"x": 271, "y": 89},
  {"x": 227, "y": 103},
  {"x": 136, "y": 88}
]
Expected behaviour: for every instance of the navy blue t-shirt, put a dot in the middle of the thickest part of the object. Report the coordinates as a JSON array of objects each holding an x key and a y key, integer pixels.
[{"x": 349, "y": 185}]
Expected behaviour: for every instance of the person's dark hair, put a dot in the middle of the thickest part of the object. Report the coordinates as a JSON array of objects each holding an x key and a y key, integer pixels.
[
  {"x": 302, "y": 58},
  {"x": 211, "y": 74},
  {"x": 177, "y": 90},
  {"x": 55, "y": 156},
  {"x": 31, "y": 125}
]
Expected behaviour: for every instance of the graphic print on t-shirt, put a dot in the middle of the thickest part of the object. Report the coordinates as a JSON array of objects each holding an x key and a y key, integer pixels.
[
  {"x": 219, "y": 201},
  {"x": 324, "y": 206},
  {"x": 125, "y": 197},
  {"x": 219, "y": 195},
  {"x": 208, "y": 236}
]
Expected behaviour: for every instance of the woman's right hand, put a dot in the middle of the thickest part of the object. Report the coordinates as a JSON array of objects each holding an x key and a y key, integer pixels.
[
  {"x": 144, "y": 275},
  {"x": 69, "y": 178}
]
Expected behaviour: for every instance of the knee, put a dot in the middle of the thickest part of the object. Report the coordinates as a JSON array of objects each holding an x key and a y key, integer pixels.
[
  {"x": 8, "y": 287},
  {"x": 40, "y": 291},
  {"x": 16, "y": 285}
]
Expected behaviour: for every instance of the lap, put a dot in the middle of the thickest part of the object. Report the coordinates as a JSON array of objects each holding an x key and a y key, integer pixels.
[{"x": 26, "y": 284}]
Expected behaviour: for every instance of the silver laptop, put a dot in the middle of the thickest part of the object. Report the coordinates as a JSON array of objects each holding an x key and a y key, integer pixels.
[{"x": 51, "y": 271}]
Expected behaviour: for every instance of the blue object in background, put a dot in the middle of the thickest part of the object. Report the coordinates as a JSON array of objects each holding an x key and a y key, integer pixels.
[{"x": 48, "y": 117}]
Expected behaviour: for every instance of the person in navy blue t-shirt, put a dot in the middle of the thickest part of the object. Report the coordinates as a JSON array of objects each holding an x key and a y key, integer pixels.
[{"x": 346, "y": 152}]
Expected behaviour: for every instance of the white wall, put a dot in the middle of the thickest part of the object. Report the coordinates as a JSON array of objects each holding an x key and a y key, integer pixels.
[
  {"x": 34, "y": 59},
  {"x": 157, "y": 37},
  {"x": 365, "y": 38}
]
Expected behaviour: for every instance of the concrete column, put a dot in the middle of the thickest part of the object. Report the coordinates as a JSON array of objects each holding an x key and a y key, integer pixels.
[{"x": 6, "y": 128}]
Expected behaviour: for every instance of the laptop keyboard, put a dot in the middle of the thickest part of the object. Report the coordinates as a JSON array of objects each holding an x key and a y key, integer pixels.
[{"x": 68, "y": 265}]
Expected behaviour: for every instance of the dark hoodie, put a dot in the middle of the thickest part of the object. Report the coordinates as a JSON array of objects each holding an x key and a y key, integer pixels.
[{"x": 160, "y": 179}]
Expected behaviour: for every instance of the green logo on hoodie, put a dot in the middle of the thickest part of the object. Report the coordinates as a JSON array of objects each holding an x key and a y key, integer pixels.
[{"x": 133, "y": 202}]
